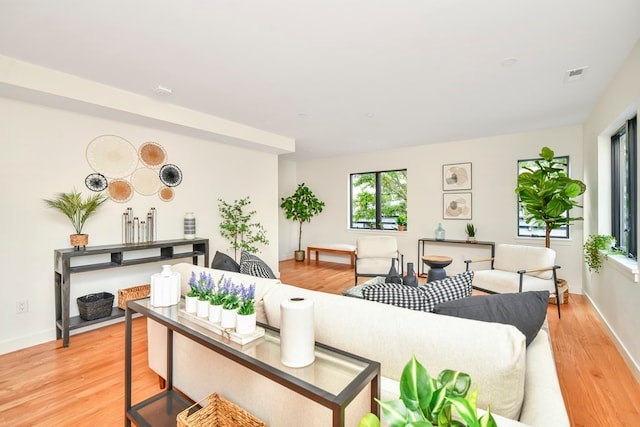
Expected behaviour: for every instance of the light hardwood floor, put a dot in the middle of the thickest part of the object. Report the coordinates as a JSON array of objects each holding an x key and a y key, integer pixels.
[{"x": 82, "y": 385}]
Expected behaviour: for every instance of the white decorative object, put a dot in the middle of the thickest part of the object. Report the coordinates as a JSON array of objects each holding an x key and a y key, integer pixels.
[
  {"x": 215, "y": 313},
  {"x": 165, "y": 288},
  {"x": 228, "y": 318},
  {"x": 189, "y": 226},
  {"x": 297, "y": 339},
  {"x": 190, "y": 304},
  {"x": 246, "y": 323},
  {"x": 202, "y": 308}
]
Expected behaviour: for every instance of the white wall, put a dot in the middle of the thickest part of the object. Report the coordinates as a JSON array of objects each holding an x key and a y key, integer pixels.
[
  {"x": 494, "y": 163},
  {"x": 44, "y": 153},
  {"x": 613, "y": 292}
]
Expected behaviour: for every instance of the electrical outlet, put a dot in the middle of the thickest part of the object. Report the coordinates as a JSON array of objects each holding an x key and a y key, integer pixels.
[{"x": 22, "y": 306}]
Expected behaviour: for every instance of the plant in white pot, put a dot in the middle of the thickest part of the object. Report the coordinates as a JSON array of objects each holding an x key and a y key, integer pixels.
[
  {"x": 301, "y": 206},
  {"x": 78, "y": 210}
]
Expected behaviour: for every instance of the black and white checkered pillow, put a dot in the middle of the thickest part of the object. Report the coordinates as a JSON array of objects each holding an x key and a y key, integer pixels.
[
  {"x": 448, "y": 289},
  {"x": 400, "y": 295},
  {"x": 254, "y": 266},
  {"x": 423, "y": 297}
]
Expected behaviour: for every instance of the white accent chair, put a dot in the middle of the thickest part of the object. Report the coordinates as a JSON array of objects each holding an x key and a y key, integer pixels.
[
  {"x": 518, "y": 268},
  {"x": 374, "y": 256}
]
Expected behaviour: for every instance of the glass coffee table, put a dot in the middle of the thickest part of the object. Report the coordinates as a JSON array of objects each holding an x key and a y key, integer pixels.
[{"x": 333, "y": 380}]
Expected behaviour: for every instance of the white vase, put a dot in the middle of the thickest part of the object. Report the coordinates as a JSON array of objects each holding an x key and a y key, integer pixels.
[
  {"x": 191, "y": 304},
  {"x": 202, "y": 308},
  {"x": 228, "y": 318},
  {"x": 246, "y": 324},
  {"x": 215, "y": 312}
]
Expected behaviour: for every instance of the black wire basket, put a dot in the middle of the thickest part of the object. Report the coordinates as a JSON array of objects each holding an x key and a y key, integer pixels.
[{"x": 95, "y": 306}]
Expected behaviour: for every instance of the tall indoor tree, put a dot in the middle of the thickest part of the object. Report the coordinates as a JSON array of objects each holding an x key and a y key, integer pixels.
[{"x": 301, "y": 206}]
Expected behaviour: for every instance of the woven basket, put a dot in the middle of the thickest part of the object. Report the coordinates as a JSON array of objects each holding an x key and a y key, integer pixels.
[
  {"x": 218, "y": 412},
  {"x": 135, "y": 292},
  {"x": 95, "y": 306}
]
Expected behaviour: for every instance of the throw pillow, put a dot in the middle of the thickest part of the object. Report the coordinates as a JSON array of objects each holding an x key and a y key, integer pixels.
[
  {"x": 526, "y": 311},
  {"x": 447, "y": 289},
  {"x": 224, "y": 262},
  {"x": 254, "y": 266},
  {"x": 410, "y": 297}
]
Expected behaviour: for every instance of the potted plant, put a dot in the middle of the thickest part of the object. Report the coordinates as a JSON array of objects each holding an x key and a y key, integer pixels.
[
  {"x": 78, "y": 210},
  {"x": 301, "y": 206},
  {"x": 426, "y": 401},
  {"x": 246, "y": 319},
  {"x": 547, "y": 193},
  {"x": 471, "y": 232},
  {"x": 596, "y": 249},
  {"x": 236, "y": 226},
  {"x": 230, "y": 304},
  {"x": 402, "y": 222}
]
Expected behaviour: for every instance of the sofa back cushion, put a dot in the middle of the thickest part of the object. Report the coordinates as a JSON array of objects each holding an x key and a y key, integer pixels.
[
  {"x": 263, "y": 285},
  {"x": 492, "y": 353},
  {"x": 520, "y": 257}
]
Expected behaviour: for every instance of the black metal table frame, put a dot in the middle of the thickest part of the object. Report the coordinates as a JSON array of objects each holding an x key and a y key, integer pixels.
[{"x": 336, "y": 404}]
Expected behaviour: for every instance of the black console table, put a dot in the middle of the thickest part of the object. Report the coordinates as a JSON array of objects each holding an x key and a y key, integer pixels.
[
  {"x": 421, "y": 243},
  {"x": 63, "y": 271}
]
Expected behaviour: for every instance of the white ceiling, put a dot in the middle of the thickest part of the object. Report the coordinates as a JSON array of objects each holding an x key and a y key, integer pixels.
[{"x": 341, "y": 76}]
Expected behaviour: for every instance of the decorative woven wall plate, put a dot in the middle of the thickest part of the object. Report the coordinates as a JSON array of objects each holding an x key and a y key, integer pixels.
[{"x": 112, "y": 156}]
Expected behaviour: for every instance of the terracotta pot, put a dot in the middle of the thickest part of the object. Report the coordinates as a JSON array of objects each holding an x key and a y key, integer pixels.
[
  {"x": 79, "y": 240},
  {"x": 298, "y": 255}
]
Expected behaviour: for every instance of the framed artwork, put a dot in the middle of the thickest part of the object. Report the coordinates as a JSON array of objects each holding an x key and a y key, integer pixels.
[
  {"x": 456, "y": 205},
  {"x": 456, "y": 176}
]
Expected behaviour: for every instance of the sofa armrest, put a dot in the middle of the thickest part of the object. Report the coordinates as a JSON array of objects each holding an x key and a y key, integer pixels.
[{"x": 469, "y": 261}]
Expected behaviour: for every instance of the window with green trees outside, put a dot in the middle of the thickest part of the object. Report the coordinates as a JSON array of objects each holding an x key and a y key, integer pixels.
[{"x": 379, "y": 200}]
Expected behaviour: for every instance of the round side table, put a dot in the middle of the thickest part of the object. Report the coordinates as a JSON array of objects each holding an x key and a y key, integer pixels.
[{"x": 436, "y": 264}]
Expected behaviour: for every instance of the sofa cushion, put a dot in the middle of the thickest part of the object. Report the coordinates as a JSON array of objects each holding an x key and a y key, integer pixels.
[
  {"x": 520, "y": 257},
  {"x": 222, "y": 261},
  {"x": 423, "y": 297},
  {"x": 254, "y": 266},
  {"x": 526, "y": 311}
]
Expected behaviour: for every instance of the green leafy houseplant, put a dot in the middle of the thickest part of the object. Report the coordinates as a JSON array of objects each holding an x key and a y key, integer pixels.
[
  {"x": 76, "y": 208},
  {"x": 402, "y": 222},
  {"x": 425, "y": 401},
  {"x": 471, "y": 229},
  {"x": 301, "y": 206},
  {"x": 547, "y": 193},
  {"x": 592, "y": 250},
  {"x": 236, "y": 226}
]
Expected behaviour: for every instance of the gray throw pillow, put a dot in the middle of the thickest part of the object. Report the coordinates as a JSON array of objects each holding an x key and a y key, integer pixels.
[
  {"x": 224, "y": 262},
  {"x": 526, "y": 311},
  {"x": 254, "y": 266}
]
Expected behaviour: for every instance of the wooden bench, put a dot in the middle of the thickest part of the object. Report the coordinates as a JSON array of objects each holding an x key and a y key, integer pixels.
[{"x": 332, "y": 248}]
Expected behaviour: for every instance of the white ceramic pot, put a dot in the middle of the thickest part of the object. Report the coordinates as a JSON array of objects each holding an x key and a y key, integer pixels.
[
  {"x": 191, "y": 304},
  {"x": 215, "y": 312},
  {"x": 228, "y": 318},
  {"x": 246, "y": 324},
  {"x": 202, "y": 308}
]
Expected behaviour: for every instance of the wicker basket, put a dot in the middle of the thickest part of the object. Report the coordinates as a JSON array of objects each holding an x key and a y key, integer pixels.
[
  {"x": 95, "y": 306},
  {"x": 218, "y": 412},
  {"x": 135, "y": 292}
]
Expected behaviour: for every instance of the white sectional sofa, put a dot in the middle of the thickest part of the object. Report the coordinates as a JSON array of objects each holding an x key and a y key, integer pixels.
[{"x": 519, "y": 383}]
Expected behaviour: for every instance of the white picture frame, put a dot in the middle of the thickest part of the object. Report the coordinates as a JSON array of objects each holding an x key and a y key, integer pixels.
[
  {"x": 456, "y": 176},
  {"x": 456, "y": 206}
]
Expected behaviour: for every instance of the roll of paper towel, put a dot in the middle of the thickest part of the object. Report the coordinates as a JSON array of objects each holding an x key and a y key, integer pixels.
[{"x": 297, "y": 339}]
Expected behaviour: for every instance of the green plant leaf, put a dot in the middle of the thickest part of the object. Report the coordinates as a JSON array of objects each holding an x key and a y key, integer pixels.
[
  {"x": 487, "y": 419},
  {"x": 395, "y": 413},
  {"x": 465, "y": 410},
  {"x": 456, "y": 382},
  {"x": 416, "y": 386},
  {"x": 369, "y": 420}
]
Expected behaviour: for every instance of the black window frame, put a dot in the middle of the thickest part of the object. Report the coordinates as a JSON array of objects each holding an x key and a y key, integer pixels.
[
  {"x": 626, "y": 235},
  {"x": 381, "y": 223}
]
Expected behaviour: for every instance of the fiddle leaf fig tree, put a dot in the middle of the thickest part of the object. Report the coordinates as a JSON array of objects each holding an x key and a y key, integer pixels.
[
  {"x": 301, "y": 206},
  {"x": 547, "y": 194}
]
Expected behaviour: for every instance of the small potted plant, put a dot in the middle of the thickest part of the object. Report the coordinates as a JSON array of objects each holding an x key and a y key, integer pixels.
[
  {"x": 402, "y": 222},
  {"x": 246, "y": 319},
  {"x": 301, "y": 206},
  {"x": 191, "y": 299},
  {"x": 216, "y": 299},
  {"x": 426, "y": 401},
  {"x": 205, "y": 289},
  {"x": 471, "y": 232},
  {"x": 596, "y": 249},
  {"x": 78, "y": 210},
  {"x": 230, "y": 304}
]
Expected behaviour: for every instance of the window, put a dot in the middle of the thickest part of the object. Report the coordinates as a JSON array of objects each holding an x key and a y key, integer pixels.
[
  {"x": 530, "y": 229},
  {"x": 624, "y": 188},
  {"x": 378, "y": 200}
]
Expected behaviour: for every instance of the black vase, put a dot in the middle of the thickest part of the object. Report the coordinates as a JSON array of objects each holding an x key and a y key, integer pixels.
[
  {"x": 393, "y": 276},
  {"x": 410, "y": 279}
]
